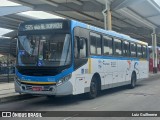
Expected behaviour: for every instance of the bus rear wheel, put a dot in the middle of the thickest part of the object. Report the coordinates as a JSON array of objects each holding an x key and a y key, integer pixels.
[
  {"x": 50, "y": 96},
  {"x": 133, "y": 81},
  {"x": 93, "y": 89}
]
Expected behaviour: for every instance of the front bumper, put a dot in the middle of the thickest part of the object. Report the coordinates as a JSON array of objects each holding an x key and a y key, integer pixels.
[{"x": 63, "y": 89}]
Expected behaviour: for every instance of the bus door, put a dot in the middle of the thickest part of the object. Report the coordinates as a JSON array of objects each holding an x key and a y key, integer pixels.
[{"x": 80, "y": 63}]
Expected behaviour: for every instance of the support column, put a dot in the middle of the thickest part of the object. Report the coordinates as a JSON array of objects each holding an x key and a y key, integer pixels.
[
  {"x": 107, "y": 16},
  {"x": 154, "y": 49}
]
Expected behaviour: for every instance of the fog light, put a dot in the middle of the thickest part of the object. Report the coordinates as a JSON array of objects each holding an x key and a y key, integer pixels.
[
  {"x": 50, "y": 89},
  {"x": 23, "y": 88}
]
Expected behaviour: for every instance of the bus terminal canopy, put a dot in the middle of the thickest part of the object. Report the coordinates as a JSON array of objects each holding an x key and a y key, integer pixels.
[{"x": 136, "y": 18}]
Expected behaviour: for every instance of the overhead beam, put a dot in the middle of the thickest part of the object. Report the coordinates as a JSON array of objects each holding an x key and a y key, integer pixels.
[
  {"x": 12, "y": 19},
  {"x": 81, "y": 13},
  {"x": 8, "y": 23},
  {"x": 137, "y": 30},
  {"x": 76, "y": 2},
  {"x": 49, "y": 2},
  {"x": 8, "y": 26},
  {"x": 87, "y": 7}
]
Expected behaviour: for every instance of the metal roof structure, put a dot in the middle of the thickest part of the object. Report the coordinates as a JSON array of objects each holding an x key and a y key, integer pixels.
[
  {"x": 136, "y": 18},
  {"x": 9, "y": 18}
]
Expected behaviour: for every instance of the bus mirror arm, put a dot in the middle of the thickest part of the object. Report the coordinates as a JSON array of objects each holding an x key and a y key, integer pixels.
[{"x": 81, "y": 43}]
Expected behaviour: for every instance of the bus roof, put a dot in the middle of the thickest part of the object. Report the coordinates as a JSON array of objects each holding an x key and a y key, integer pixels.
[{"x": 108, "y": 32}]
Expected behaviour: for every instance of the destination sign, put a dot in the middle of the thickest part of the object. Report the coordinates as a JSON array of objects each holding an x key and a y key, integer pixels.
[{"x": 45, "y": 26}]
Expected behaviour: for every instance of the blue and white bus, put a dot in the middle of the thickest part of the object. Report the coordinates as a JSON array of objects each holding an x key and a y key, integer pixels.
[{"x": 66, "y": 57}]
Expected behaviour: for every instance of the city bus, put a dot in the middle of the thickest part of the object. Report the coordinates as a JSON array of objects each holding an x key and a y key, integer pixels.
[{"x": 58, "y": 57}]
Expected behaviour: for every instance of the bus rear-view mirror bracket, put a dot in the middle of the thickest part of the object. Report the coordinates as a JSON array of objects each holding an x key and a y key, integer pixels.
[{"x": 81, "y": 43}]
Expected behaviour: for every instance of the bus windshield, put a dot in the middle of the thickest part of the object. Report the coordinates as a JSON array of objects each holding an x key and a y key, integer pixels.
[{"x": 44, "y": 50}]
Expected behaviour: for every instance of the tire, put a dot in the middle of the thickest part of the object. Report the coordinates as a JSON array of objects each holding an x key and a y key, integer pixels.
[
  {"x": 50, "y": 96},
  {"x": 93, "y": 89},
  {"x": 133, "y": 81}
]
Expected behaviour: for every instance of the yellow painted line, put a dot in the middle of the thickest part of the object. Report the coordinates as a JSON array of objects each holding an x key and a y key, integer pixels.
[
  {"x": 39, "y": 83},
  {"x": 89, "y": 66}
]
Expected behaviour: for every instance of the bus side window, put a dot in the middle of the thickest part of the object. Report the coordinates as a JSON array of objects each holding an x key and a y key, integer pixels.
[
  {"x": 133, "y": 49},
  {"x": 126, "y": 51},
  {"x": 95, "y": 44},
  {"x": 80, "y": 47},
  {"x": 108, "y": 45},
  {"x": 139, "y": 51},
  {"x": 117, "y": 47}
]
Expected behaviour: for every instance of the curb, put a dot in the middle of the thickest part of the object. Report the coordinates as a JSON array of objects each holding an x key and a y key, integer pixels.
[{"x": 16, "y": 97}]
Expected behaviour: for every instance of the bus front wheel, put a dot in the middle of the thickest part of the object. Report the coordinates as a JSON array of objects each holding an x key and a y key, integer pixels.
[{"x": 93, "y": 89}]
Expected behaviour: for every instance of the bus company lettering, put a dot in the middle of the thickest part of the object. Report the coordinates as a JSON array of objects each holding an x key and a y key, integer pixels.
[{"x": 113, "y": 64}]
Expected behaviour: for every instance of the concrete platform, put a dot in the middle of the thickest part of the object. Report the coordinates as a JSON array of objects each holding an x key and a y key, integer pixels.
[{"x": 7, "y": 92}]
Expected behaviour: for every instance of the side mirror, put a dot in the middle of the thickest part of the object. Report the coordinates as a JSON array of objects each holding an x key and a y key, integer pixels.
[{"x": 81, "y": 43}]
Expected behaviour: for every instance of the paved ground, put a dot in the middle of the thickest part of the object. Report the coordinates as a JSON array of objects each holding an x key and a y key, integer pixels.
[
  {"x": 7, "y": 89},
  {"x": 145, "y": 97}
]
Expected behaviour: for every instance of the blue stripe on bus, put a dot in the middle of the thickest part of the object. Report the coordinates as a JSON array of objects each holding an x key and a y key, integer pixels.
[{"x": 114, "y": 58}]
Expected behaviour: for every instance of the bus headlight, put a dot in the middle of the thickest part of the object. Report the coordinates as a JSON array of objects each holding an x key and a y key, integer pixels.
[{"x": 64, "y": 79}]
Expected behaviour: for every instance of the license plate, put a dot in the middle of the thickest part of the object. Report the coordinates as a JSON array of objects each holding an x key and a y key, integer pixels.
[{"x": 37, "y": 88}]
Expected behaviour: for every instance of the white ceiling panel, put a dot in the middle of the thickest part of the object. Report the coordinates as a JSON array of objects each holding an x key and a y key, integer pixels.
[{"x": 144, "y": 9}]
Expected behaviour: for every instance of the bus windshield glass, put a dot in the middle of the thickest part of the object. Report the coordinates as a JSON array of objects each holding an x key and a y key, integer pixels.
[{"x": 44, "y": 50}]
